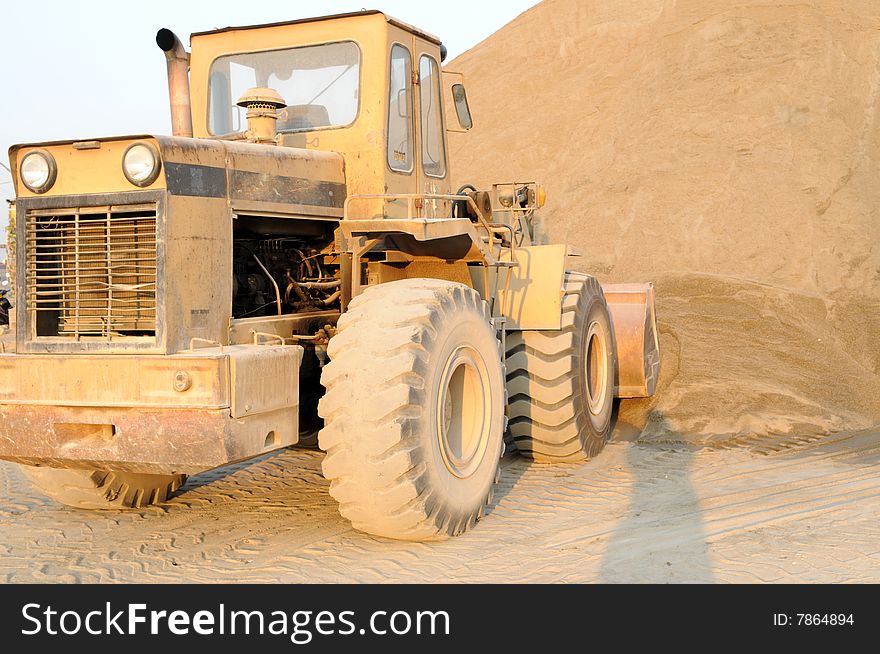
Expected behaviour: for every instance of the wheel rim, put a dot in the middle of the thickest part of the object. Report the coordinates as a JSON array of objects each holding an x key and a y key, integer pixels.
[
  {"x": 596, "y": 367},
  {"x": 463, "y": 412}
]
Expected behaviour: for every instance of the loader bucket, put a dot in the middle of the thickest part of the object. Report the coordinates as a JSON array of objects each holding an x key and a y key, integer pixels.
[{"x": 635, "y": 330}]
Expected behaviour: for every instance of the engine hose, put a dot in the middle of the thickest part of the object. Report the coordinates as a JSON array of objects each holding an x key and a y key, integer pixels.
[
  {"x": 318, "y": 285},
  {"x": 330, "y": 299},
  {"x": 459, "y": 207},
  {"x": 293, "y": 286},
  {"x": 296, "y": 289},
  {"x": 271, "y": 279},
  {"x": 304, "y": 260}
]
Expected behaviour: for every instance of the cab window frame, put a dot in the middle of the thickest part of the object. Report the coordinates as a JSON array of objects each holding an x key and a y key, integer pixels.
[
  {"x": 360, "y": 86},
  {"x": 392, "y": 111},
  {"x": 437, "y": 86}
]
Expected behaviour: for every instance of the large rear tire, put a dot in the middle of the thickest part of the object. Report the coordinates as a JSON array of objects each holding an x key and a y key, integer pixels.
[
  {"x": 561, "y": 383},
  {"x": 102, "y": 489},
  {"x": 414, "y": 410}
]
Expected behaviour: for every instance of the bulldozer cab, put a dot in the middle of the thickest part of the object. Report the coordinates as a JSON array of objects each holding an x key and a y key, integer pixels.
[{"x": 363, "y": 84}]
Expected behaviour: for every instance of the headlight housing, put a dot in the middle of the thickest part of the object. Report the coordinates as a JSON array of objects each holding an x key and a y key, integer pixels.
[
  {"x": 38, "y": 171},
  {"x": 141, "y": 164}
]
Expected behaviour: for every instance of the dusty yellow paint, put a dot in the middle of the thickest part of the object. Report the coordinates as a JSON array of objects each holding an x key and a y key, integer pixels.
[
  {"x": 80, "y": 171},
  {"x": 362, "y": 143},
  {"x": 533, "y": 297},
  {"x": 236, "y": 403},
  {"x": 113, "y": 380}
]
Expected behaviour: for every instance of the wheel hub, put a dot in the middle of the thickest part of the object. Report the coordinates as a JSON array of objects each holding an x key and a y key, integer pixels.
[
  {"x": 596, "y": 363},
  {"x": 463, "y": 412}
]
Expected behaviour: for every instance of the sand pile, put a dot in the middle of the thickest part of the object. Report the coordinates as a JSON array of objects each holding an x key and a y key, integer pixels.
[{"x": 731, "y": 154}]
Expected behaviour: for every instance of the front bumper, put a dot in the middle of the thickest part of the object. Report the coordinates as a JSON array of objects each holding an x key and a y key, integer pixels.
[{"x": 122, "y": 412}]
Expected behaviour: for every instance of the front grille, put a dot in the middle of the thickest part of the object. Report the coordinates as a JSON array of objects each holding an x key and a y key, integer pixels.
[{"x": 91, "y": 272}]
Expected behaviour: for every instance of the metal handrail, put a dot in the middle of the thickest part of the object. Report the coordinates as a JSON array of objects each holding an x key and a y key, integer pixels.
[
  {"x": 410, "y": 197},
  {"x": 491, "y": 228},
  {"x": 196, "y": 339},
  {"x": 258, "y": 335}
]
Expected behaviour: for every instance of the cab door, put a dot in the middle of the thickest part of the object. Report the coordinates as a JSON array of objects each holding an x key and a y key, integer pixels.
[
  {"x": 401, "y": 147},
  {"x": 432, "y": 161}
]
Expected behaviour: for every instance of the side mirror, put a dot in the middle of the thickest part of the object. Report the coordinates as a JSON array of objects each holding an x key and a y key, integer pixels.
[
  {"x": 462, "y": 110},
  {"x": 453, "y": 89}
]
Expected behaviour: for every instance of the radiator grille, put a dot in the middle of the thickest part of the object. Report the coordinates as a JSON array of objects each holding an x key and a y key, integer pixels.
[{"x": 92, "y": 272}]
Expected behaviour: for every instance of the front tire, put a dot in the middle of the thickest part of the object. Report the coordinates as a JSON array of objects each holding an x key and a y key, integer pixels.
[
  {"x": 561, "y": 383},
  {"x": 414, "y": 410},
  {"x": 102, "y": 489}
]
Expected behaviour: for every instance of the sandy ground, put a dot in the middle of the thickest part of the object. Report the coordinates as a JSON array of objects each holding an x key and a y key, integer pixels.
[{"x": 800, "y": 510}]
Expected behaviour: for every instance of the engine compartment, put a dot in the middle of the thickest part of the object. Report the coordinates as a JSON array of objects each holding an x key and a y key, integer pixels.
[
  {"x": 287, "y": 267},
  {"x": 280, "y": 267}
]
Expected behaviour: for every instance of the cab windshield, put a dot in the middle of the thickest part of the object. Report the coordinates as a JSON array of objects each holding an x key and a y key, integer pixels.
[{"x": 319, "y": 83}]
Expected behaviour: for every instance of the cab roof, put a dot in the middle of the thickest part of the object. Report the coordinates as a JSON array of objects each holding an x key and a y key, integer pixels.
[{"x": 366, "y": 12}]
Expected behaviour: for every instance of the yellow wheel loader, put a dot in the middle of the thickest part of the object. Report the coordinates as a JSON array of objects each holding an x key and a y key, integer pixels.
[{"x": 292, "y": 261}]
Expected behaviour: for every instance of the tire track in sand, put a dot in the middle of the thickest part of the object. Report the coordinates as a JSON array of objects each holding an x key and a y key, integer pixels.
[{"x": 636, "y": 513}]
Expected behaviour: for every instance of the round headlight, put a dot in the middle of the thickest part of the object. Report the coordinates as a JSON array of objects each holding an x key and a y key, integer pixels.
[
  {"x": 38, "y": 171},
  {"x": 141, "y": 164}
]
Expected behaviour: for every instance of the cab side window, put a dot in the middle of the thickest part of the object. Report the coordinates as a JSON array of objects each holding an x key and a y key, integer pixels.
[
  {"x": 400, "y": 111},
  {"x": 433, "y": 146}
]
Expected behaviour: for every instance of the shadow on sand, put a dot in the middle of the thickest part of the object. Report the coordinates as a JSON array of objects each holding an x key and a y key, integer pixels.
[{"x": 662, "y": 537}]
